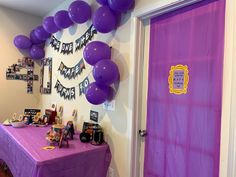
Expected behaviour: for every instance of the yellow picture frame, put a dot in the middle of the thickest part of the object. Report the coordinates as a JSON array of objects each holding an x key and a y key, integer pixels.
[{"x": 178, "y": 79}]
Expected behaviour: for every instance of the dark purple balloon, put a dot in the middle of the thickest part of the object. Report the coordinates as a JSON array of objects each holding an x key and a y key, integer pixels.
[
  {"x": 62, "y": 19},
  {"x": 105, "y": 72},
  {"x": 120, "y": 5},
  {"x": 37, "y": 52},
  {"x": 96, "y": 94},
  {"x": 96, "y": 51},
  {"x": 102, "y": 2},
  {"x": 34, "y": 38},
  {"x": 79, "y": 11},
  {"x": 111, "y": 93},
  {"x": 104, "y": 20},
  {"x": 22, "y": 42},
  {"x": 49, "y": 25},
  {"x": 41, "y": 34}
]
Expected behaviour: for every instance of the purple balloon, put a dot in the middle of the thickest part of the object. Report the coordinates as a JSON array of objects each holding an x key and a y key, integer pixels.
[
  {"x": 79, "y": 11},
  {"x": 22, "y": 42},
  {"x": 37, "y": 52},
  {"x": 62, "y": 19},
  {"x": 49, "y": 25},
  {"x": 96, "y": 94},
  {"x": 41, "y": 34},
  {"x": 111, "y": 93},
  {"x": 105, "y": 72},
  {"x": 104, "y": 20},
  {"x": 34, "y": 38},
  {"x": 102, "y": 2},
  {"x": 96, "y": 51},
  {"x": 120, "y": 5}
]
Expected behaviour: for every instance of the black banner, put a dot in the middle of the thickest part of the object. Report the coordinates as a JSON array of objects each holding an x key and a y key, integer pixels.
[
  {"x": 83, "y": 86},
  {"x": 85, "y": 38},
  {"x": 55, "y": 43},
  {"x": 67, "y": 48},
  {"x": 73, "y": 71},
  {"x": 66, "y": 93}
]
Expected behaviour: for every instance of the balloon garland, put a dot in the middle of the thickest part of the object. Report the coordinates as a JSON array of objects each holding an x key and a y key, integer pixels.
[{"x": 96, "y": 53}]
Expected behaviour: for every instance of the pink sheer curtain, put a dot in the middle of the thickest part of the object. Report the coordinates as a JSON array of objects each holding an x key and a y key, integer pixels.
[{"x": 184, "y": 130}]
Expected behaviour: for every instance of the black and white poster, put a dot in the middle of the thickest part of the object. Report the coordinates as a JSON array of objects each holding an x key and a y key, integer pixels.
[
  {"x": 83, "y": 86},
  {"x": 72, "y": 72},
  {"x": 71, "y": 47},
  {"x": 67, "y": 48},
  {"x": 85, "y": 38},
  {"x": 55, "y": 43},
  {"x": 66, "y": 93}
]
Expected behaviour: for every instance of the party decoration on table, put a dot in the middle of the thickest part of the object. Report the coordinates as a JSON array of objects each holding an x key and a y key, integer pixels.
[
  {"x": 40, "y": 33},
  {"x": 104, "y": 20},
  {"x": 67, "y": 48},
  {"x": 72, "y": 72},
  {"x": 40, "y": 121},
  {"x": 79, "y": 11},
  {"x": 46, "y": 67},
  {"x": 29, "y": 115},
  {"x": 37, "y": 52},
  {"x": 178, "y": 79},
  {"x": 92, "y": 133},
  {"x": 49, "y": 25},
  {"x": 69, "y": 130},
  {"x": 120, "y": 5},
  {"x": 51, "y": 115},
  {"x": 22, "y": 42},
  {"x": 13, "y": 72},
  {"x": 96, "y": 51},
  {"x": 83, "y": 86},
  {"x": 55, "y": 136},
  {"x": 48, "y": 147},
  {"x": 66, "y": 93},
  {"x": 62, "y": 19},
  {"x": 85, "y": 38}
]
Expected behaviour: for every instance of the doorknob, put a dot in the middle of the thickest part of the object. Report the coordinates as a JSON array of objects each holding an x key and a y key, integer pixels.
[{"x": 142, "y": 133}]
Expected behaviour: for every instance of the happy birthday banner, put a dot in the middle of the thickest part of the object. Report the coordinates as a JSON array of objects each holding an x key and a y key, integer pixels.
[
  {"x": 71, "y": 72},
  {"x": 68, "y": 48},
  {"x": 66, "y": 93}
]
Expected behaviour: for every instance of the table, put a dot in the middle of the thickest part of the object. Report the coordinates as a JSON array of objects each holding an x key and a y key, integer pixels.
[{"x": 21, "y": 149}]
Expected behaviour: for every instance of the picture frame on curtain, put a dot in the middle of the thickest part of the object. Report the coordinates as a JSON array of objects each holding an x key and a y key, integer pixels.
[
  {"x": 178, "y": 79},
  {"x": 46, "y": 76}
]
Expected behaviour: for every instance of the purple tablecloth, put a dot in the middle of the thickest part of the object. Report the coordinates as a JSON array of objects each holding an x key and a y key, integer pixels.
[{"x": 21, "y": 149}]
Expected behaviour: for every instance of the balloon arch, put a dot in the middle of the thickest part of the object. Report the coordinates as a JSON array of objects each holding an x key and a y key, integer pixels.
[{"x": 96, "y": 53}]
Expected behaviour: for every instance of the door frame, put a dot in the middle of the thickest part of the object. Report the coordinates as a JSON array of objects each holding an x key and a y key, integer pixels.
[{"x": 228, "y": 116}]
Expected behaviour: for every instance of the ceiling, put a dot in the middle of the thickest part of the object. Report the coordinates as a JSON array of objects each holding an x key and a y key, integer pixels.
[{"x": 35, "y": 7}]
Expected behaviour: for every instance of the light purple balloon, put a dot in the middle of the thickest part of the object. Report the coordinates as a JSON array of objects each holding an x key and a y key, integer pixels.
[
  {"x": 96, "y": 51},
  {"x": 104, "y": 20},
  {"x": 120, "y": 5},
  {"x": 41, "y": 34},
  {"x": 49, "y": 25},
  {"x": 105, "y": 72},
  {"x": 102, "y": 2},
  {"x": 22, "y": 42},
  {"x": 37, "y": 52},
  {"x": 96, "y": 94},
  {"x": 79, "y": 11},
  {"x": 62, "y": 19},
  {"x": 34, "y": 38}
]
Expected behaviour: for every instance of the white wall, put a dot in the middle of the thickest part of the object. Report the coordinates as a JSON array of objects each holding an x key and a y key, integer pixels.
[
  {"x": 117, "y": 124},
  {"x": 13, "y": 93}
]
